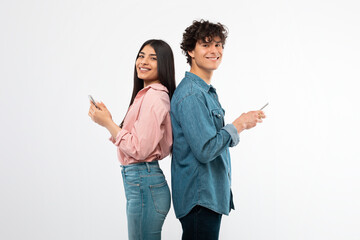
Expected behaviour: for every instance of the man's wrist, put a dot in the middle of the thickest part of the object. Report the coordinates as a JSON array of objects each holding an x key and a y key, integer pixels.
[{"x": 239, "y": 127}]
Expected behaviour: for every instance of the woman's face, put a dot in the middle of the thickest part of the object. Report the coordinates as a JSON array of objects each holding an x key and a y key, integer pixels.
[{"x": 146, "y": 65}]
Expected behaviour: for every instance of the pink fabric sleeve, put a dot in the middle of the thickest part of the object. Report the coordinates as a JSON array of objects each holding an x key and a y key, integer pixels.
[{"x": 146, "y": 133}]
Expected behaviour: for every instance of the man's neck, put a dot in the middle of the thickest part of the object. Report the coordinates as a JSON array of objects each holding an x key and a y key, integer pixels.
[{"x": 204, "y": 75}]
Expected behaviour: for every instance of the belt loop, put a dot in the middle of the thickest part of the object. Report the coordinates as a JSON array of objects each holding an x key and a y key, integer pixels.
[{"x": 148, "y": 166}]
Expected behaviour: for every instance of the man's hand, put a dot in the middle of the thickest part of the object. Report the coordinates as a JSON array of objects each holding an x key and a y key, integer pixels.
[{"x": 248, "y": 120}]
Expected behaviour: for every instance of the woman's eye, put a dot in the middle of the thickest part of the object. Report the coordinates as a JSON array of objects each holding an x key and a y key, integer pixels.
[
  {"x": 154, "y": 58},
  {"x": 141, "y": 56}
]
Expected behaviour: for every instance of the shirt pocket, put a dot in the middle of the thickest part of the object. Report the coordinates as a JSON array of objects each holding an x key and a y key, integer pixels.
[{"x": 218, "y": 118}]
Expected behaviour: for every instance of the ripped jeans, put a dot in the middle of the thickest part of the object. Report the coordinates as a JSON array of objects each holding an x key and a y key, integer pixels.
[{"x": 148, "y": 200}]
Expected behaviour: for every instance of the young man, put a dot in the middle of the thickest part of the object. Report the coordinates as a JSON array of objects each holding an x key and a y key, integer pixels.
[{"x": 200, "y": 167}]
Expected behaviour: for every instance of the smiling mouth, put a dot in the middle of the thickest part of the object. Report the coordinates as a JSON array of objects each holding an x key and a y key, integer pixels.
[
  {"x": 213, "y": 58},
  {"x": 144, "y": 69}
]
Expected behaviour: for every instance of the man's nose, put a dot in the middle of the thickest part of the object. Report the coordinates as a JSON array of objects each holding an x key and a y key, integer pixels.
[{"x": 213, "y": 48}]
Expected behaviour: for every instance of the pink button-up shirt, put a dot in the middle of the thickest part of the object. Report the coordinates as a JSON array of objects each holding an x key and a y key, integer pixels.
[{"x": 146, "y": 134}]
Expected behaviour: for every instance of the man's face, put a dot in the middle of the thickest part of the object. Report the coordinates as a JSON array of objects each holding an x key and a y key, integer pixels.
[{"x": 207, "y": 55}]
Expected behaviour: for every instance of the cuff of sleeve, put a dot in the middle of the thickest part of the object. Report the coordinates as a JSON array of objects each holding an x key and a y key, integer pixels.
[
  {"x": 112, "y": 139},
  {"x": 119, "y": 136},
  {"x": 231, "y": 129}
]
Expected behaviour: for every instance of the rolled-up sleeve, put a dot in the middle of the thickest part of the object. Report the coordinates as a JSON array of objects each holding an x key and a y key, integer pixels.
[
  {"x": 146, "y": 133},
  {"x": 231, "y": 129}
]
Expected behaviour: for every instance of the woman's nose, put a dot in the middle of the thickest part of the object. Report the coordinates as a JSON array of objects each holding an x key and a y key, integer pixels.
[{"x": 144, "y": 61}]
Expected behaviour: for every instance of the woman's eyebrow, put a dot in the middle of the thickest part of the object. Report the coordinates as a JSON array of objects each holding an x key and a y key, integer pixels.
[{"x": 151, "y": 54}]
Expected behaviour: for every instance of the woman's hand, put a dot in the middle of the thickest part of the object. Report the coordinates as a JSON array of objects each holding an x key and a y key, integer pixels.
[
  {"x": 248, "y": 120},
  {"x": 100, "y": 115}
]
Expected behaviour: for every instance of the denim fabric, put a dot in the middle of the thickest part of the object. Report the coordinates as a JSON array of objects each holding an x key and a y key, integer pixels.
[
  {"x": 201, "y": 224},
  {"x": 200, "y": 166},
  {"x": 148, "y": 200}
]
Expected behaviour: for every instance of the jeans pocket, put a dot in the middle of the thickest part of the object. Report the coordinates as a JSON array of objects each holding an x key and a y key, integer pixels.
[
  {"x": 131, "y": 178},
  {"x": 160, "y": 194}
]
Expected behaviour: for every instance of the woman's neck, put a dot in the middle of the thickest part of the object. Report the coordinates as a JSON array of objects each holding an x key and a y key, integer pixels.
[{"x": 148, "y": 83}]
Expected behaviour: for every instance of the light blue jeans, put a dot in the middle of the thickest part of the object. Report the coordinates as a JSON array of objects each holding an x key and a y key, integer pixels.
[{"x": 148, "y": 200}]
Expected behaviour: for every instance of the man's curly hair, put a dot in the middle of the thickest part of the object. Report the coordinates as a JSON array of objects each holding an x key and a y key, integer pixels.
[{"x": 202, "y": 30}]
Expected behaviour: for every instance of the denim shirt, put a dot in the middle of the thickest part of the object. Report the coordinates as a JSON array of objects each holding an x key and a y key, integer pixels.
[{"x": 200, "y": 166}]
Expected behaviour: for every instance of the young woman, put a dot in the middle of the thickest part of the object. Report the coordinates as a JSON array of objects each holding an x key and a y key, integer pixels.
[{"x": 143, "y": 138}]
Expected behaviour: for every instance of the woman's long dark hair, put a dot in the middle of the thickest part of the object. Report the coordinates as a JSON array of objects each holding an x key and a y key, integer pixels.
[{"x": 165, "y": 68}]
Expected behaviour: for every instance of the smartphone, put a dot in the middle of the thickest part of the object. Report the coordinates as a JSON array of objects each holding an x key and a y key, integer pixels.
[
  {"x": 93, "y": 101},
  {"x": 264, "y": 106}
]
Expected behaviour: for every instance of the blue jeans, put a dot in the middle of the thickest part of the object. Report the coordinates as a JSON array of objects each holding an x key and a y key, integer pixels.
[
  {"x": 201, "y": 224},
  {"x": 148, "y": 200}
]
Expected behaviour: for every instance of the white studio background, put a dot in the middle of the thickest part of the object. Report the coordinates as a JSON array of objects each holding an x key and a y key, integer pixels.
[{"x": 296, "y": 176}]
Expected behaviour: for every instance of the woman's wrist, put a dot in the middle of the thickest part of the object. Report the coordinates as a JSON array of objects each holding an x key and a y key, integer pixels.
[
  {"x": 113, "y": 128},
  {"x": 108, "y": 123}
]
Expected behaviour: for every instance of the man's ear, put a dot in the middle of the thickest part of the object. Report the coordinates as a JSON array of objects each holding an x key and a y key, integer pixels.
[{"x": 191, "y": 53}]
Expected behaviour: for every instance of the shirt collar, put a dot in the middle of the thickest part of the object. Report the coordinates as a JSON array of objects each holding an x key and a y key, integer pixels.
[
  {"x": 157, "y": 86},
  {"x": 199, "y": 81}
]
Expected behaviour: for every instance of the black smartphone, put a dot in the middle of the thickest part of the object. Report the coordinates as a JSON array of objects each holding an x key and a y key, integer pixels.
[
  {"x": 264, "y": 106},
  {"x": 93, "y": 101}
]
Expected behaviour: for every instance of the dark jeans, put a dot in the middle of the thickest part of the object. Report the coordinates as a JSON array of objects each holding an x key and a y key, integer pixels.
[{"x": 201, "y": 224}]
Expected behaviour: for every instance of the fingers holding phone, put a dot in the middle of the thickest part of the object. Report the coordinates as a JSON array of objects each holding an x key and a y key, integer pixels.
[
  {"x": 250, "y": 119},
  {"x": 104, "y": 109},
  {"x": 261, "y": 114},
  {"x": 93, "y": 101},
  {"x": 99, "y": 113}
]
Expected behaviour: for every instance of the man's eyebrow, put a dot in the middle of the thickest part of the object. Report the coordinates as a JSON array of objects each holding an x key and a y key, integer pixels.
[{"x": 202, "y": 41}]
